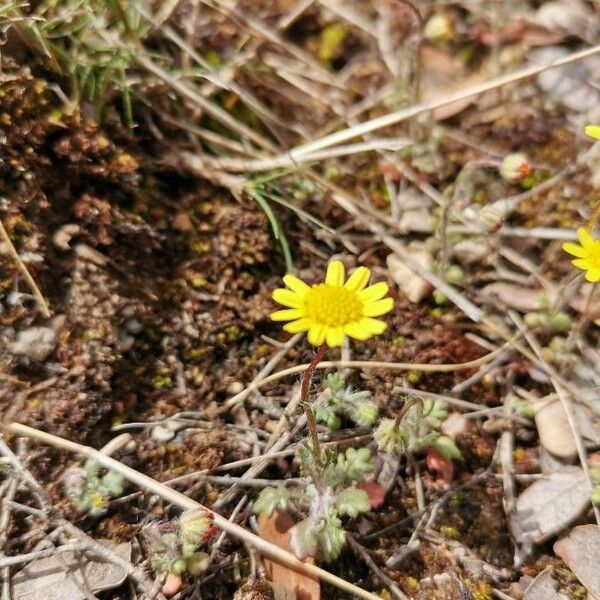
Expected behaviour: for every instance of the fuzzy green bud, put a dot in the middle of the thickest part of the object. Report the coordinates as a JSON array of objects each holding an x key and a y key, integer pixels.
[
  {"x": 561, "y": 322},
  {"x": 196, "y": 526},
  {"x": 515, "y": 167},
  {"x": 533, "y": 320},
  {"x": 365, "y": 413},
  {"x": 188, "y": 549},
  {"x": 439, "y": 297},
  {"x": 178, "y": 567},
  {"x": 595, "y": 495},
  {"x": 390, "y": 437},
  {"x": 158, "y": 563},
  {"x": 454, "y": 275}
]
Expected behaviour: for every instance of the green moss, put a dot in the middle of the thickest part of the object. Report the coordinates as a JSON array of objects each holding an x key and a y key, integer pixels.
[
  {"x": 450, "y": 533},
  {"x": 232, "y": 333},
  {"x": 197, "y": 353},
  {"x": 414, "y": 377},
  {"x": 162, "y": 381}
]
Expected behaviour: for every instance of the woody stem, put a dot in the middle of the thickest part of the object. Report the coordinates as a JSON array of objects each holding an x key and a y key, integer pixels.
[{"x": 304, "y": 399}]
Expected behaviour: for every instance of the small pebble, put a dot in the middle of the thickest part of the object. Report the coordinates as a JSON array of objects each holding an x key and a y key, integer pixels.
[{"x": 161, "y": 434}]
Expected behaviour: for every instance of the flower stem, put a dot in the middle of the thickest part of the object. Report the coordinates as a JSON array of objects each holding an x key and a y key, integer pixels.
[{"x": 304, "y": 399}]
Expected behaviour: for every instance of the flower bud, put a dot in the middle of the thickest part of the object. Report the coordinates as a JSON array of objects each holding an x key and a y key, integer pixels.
[
  {"x": 196, "y": 526},
  {"x": 515, "y": 167},
  {"x": 438, "y": 28},
  {"x": 390, "y": 438},
  {"x": 439, "y": 297},
  {"x": 179, "y": 566},
  {"x": 533, "y": 320},
  {"x": 454, "y": 275},
  {"x": 365, "y": 413},
  {"x": 561, "y": 322}
]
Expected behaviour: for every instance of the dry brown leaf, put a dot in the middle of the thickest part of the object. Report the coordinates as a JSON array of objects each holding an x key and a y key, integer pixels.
[
  {"x": 276, "y": 530},
  {"x": 580, "y": 550},
  {"x": 512, "y": 295},
  {"x": 55, "y": 576},
  {"x": 554, "y": 430},
  {"x": 543, "y": 587},
  {"x": 567, "y": 17},
  {"x": 549, "y": 505},
  {"x": 575, "y": 85}
]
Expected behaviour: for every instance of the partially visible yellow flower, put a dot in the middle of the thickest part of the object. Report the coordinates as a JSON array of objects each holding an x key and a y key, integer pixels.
[
  {"x": 332, "y": 310},
  {"x": 587, "y": 253},
  {"x": 593, "y": 131}
]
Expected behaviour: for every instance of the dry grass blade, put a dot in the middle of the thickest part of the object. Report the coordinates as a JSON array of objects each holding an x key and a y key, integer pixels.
[{"x": 417, "y": 109}]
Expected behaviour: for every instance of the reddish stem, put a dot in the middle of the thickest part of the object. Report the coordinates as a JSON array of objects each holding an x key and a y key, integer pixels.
[{"x": 304, "y": 398}]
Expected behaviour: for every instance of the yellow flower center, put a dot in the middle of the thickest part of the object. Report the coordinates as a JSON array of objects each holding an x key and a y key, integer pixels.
[{"x": 332, "y": 306}]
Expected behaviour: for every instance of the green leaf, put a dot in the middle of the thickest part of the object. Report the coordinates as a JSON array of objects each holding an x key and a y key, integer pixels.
[
  {"x": 323, "y": 413},
  {"x": 335, "y": 382},
  {"x": 271, "y": 499},
  {"x": 113, "y": 482},
  {"x": 355, "y": 464},
  {"x": 352, "y": 502},
  {"x": 435, "y": 411},
  {"x": 446, "y": 447},
  {"x": 332, "y": 539}
]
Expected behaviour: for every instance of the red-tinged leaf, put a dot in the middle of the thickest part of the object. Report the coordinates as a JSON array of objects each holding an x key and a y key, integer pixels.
[
  {"x": 437, "y": 463},
  {"x": 375, "y": 492}
]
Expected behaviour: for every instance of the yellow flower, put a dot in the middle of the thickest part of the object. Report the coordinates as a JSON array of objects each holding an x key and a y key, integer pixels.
[
  {"x": 593, "y": 131},
  {"x": 587, "y": 253},
  {"x": 332, "y": 310}
]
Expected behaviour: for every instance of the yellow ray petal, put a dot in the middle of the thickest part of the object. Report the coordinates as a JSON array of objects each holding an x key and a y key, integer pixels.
[
  {"x": 358, "y": 280},
  {"x": 287, "y": 315},
  {"x": 334, "y": 336},
  {"x": 316, "y": 334},
  {"x": 581, "y": 263},
  {"x": 374, "y": 292},
  {"x": 593, "y": 275},
  {"x": 287, "y": 298},
  {"x": 335, "y": 274},
  {"x": 378, "y": 308},
  {"x": 593, "y": 131},
  {"x": 296, "y": 284},
  {"x": 373, "y": 326},
  {"x": 574, "y": 249},
  {"x": 585, "y": 238},
  {"x": 354, "y": 330},
  {"x": 298, "y": 326}
]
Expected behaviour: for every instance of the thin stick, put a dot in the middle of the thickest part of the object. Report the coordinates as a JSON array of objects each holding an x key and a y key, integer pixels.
[
  {"x": 35, "y": 290},
  {"x": 178, "y": 499},
  {"x": 374, "y": 364}
]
